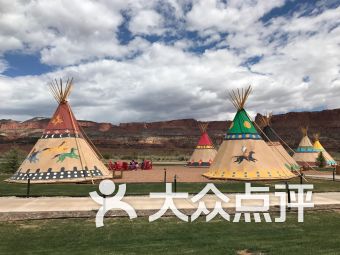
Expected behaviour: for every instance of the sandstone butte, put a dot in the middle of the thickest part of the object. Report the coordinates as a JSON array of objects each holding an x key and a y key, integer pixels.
[{"x": 182, "y": 134}]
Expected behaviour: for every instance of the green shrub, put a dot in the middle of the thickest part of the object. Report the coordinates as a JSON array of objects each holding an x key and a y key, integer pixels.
[
  {"x": 320, "y": 160},
  {"x": 106, "y": 155},
  {"x": 11, "y": 160}
]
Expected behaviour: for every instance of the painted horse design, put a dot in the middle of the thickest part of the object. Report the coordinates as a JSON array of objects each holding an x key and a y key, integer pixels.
[
  {"x": 61, "y": 148},
  {"x": 62, "y": 156},
  {"x": 33, "y": 157},
  {"x": 248, "y": 157}
]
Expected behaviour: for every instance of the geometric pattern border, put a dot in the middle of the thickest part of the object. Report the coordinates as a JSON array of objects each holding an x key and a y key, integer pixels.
[
  {"x": 205, "y": 147},
  {"x": 198, "y": 164},
  {"x": 238, "y": 174},
  {"x": 331, "y": 162},
  {"x": 242, "y": 136},
  {"x": 49, "y": 175},
  {"x": 308, "y": 149},
  {"x": 46, "y": 136}
]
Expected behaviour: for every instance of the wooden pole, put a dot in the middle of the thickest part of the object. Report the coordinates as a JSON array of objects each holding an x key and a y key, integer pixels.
[
  {"x": 288, "y": 193},
  {"x": 28, "y": 186},
  {"x": 175, "y": 183}
]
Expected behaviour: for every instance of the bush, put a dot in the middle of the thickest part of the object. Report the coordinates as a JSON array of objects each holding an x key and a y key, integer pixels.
[
  {"x": 11, "y": 160},
  {"x": 320, "y": 160},
  {"x": 106, "y": 155}
]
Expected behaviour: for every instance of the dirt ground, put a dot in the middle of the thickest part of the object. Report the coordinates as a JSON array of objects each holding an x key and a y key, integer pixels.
[
  {"x": 183, "y": 174},
  {"x": 316, "y": 172}
]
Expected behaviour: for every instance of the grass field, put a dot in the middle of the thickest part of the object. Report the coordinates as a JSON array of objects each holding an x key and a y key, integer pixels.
[
  {"x": 10, "y": 189},
  {"x": 319, "y": 234}
]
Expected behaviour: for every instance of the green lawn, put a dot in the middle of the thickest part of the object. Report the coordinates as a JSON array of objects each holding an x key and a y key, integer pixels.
[
  {"x": 319, "y": 234},
  {"x": 11, "y": 189}
]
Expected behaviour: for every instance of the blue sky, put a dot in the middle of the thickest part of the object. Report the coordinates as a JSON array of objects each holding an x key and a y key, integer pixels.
[{"x": 158, "y": 60}]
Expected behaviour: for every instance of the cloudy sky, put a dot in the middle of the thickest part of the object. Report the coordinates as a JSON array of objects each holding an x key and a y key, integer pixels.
[{"x": 150, "y": 60}]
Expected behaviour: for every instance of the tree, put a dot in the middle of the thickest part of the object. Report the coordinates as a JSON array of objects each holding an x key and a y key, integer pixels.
[
  {"x": 11, "y": 160},
  {"x": 106, "y": 155},
  {"x": 320, "y": 160}
]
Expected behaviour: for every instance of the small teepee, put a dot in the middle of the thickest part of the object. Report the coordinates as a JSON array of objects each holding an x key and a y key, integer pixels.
[
  {"x": 244, "y": 155},
  {"x": 63, "y": 153},
  {"x": 305, "y": 154},
  {"x": 317, "y": 146},
  {"x": 273, "y": 140},
  {"x": 205, "y": 151}
]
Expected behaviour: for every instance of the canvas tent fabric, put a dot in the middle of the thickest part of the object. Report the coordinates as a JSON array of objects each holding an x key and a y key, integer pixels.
[
  {"x": 244, "y": 155},
  {"x": 318, "y": 146},
  {"x": 204, "y": 152},
  {"x": 305, "y": 155},
  {"x": 273, "y": 141},
  {"x": 62, "y": 154}
]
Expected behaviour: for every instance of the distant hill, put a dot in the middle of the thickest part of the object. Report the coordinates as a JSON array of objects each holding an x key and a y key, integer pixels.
[{"x": 175, "y": 135}]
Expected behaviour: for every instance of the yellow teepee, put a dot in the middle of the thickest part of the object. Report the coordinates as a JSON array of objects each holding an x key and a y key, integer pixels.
[
  {"x": 244, "y": 155},
  {"x": 317, "y": 146},
  {"x": 305, "y": 155},
  {"x": 62, "y": 154},
  {"x": 205, "y": 151}
]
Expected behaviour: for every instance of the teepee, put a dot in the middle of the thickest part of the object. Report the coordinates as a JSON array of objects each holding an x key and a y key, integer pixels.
[
  {"x": 244, "y": 155},
  {"x": 63, "y": 153},
  {"x": 305, "y": 154},
  {"x": 273, "y": 140},
  {"x": 205, "y": 151},
  {"x": 317, "y": 146}
]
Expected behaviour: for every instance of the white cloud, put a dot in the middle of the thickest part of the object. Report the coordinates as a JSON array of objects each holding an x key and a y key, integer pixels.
[
  {"x": 3, "y": 66},
  {"x": 162, "y": 83},
  {"x": 228, "y": 17},
  {"x": 298, "y": 66},
  {"x": 147, "y": 22},
  {"x": 65, "y": 32}
]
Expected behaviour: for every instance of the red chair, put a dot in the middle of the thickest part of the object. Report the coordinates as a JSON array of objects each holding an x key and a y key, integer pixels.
[
  {"x": 112, "y": 166},
  {"x": 147, "y": 165},
  {"x": 125, "y": 166},
  {"x": 118, "y": 165}
]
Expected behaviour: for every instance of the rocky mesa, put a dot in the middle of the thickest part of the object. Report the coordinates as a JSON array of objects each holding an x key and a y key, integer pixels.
[{"x": 181, "y": 134}]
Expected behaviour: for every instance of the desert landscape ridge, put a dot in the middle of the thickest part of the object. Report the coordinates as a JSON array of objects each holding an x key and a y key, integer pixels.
[{"x": 180, "y": 135}]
